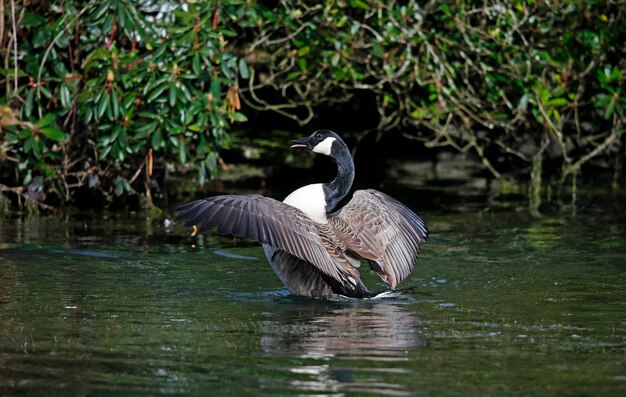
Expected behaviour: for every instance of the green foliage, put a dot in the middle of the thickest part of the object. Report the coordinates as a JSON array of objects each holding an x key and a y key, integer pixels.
[
  {"x": 99, "y": 88},
  {"x": 101, "y": 83},
  {"x": 498, "y": 78}
]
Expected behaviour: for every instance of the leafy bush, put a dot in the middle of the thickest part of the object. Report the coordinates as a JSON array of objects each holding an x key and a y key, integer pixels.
[
  {"x": 105, "y": 88},
  {"x": 94, "y": 92},
  {"x": 497, "y": 78}
]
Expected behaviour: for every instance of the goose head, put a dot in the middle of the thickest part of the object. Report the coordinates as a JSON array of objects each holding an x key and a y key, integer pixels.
[
  {"x": 321, "y": 141},
  {"x": 330, "y": 144}
]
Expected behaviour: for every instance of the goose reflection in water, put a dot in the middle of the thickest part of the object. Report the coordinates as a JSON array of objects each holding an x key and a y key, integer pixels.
[{"x": 377, "y": 331}]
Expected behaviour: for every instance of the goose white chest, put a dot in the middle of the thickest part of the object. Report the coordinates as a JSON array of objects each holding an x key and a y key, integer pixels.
[{"x": 311, "y": 200}]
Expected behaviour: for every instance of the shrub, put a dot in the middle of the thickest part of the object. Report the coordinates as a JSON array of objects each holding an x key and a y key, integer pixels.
[
  {"x": 104, "y": 89},
  {"x": 95, "y": 91}
]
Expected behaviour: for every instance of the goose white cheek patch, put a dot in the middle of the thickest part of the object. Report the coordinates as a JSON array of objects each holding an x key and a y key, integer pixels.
[{"x": 324, "y": 146}]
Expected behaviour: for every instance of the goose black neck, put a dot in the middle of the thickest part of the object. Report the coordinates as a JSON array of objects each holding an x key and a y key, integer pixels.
[{"x": 336, "y": 190}]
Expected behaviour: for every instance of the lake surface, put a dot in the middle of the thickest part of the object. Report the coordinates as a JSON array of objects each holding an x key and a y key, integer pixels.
[{"x": 500, "y": 303}]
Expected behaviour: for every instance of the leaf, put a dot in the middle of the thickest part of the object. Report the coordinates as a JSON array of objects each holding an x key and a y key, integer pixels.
[
  {"x": 227, "y": 70},
  {"x": 36, "y": 148},
  {"x": 523, "y": 102},
  {"x": 109, "y": 108},
  {"x": 119, "y": 188},
  {"x": 116, "y": 152},
  {"x": 202, "y": 174},
  {"x": 446, "y": 10},
  {"x": 195, "y": 64},
  {"x": 25, "y": 133},
  {"x": 228, "y": 33},
  {"x": 303, "y": 64},
  {"x": 616, "y": 74},
  {"x": 107, "y": 26},
  {"x": 31, "y": 19},
  {"x": 126, "y": 185},
  {"x": 558, "y": 91},
  {"x": 52, "y": 133},
  {"x": 102, "y": 106},
  {"x": 115, "y": 133},
  {"x": 149, "y": 115},
  {"x": 211, "y": 161},
  {"x": 101, "y": 10},
  {"x": 157, "y": 139},
  {"x": 240, "y": 117},
  {"x": 216, "y": 87},
  {"x": 116, "y": 104},
  {"x": 88, "y": 115},
  {"x": 360, "y": 4},
  {"x": 129, "y": 98},
  {"x": 105, "y": 151},
  {"x": 27, "y": 178},
  {"x": 172, "y": 95},
  {"x": 40, "y": 38},
  {"x": 182, "y": 152},
  {"x": 154, "y": 83},
  {"x": 28, "y": 144},
  {"x": 60, "y": 69},
  {"x": 144, "y": 128},
  {"x": 243, "y": 69},
  {"x": 610, "y": 109},
  {"x": 557, "y": 102},
  {"x": 104, "y": 140},
  {"x": 377, "y": 50},
  {"x": 65, "y": 96},
  {"x": 44, "y": 91},
  {"x": 183, "y": 88},
  {"x": 95, "y": 58},
  {"x": 157, "y": 92},
  {"x": 46, "y": 120},
  {"x": 602, "y": 100},
  {"x": 28, "y": 106},
  {"x": 121, "y": 15},
  {"x": 123, "y": 137},
  {"x": 420, "y": 113}
]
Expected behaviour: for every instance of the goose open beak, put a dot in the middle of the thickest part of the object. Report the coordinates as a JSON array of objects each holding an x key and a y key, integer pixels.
[{"x": 302, "y": 142}]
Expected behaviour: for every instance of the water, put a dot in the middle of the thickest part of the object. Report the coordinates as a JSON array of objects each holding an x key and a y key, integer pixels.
[{"x": 501, "y": 303}]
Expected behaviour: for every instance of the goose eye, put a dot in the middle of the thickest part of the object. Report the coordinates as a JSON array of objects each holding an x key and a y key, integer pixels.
[{"x": 319, "y": 136}]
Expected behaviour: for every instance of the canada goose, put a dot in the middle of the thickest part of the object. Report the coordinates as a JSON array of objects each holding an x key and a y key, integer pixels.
[{"x": 314, "y": 249}]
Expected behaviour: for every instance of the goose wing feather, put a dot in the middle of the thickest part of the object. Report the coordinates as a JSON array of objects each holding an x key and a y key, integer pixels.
[
  {"x": 276, "y": 224},
  {"x": 381, "y": 229}
]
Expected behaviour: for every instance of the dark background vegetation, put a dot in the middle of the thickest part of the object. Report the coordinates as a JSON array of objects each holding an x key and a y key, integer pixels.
[{"x": 101, "y": 101}]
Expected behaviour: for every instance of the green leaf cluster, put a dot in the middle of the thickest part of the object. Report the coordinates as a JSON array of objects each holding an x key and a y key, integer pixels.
[
  {"x": 100, "y": 84},
  {"x": 497, "y": 78},
  {"x": 103, "y": 88}
]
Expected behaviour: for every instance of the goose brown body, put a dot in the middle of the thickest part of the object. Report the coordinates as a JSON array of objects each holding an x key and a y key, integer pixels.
[{"x": 320, "y": 257}]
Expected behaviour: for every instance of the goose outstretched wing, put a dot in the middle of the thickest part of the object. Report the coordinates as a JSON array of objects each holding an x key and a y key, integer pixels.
[
  {"x": 381, "y": 229},
  {"x": 274, "y": 223}
]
